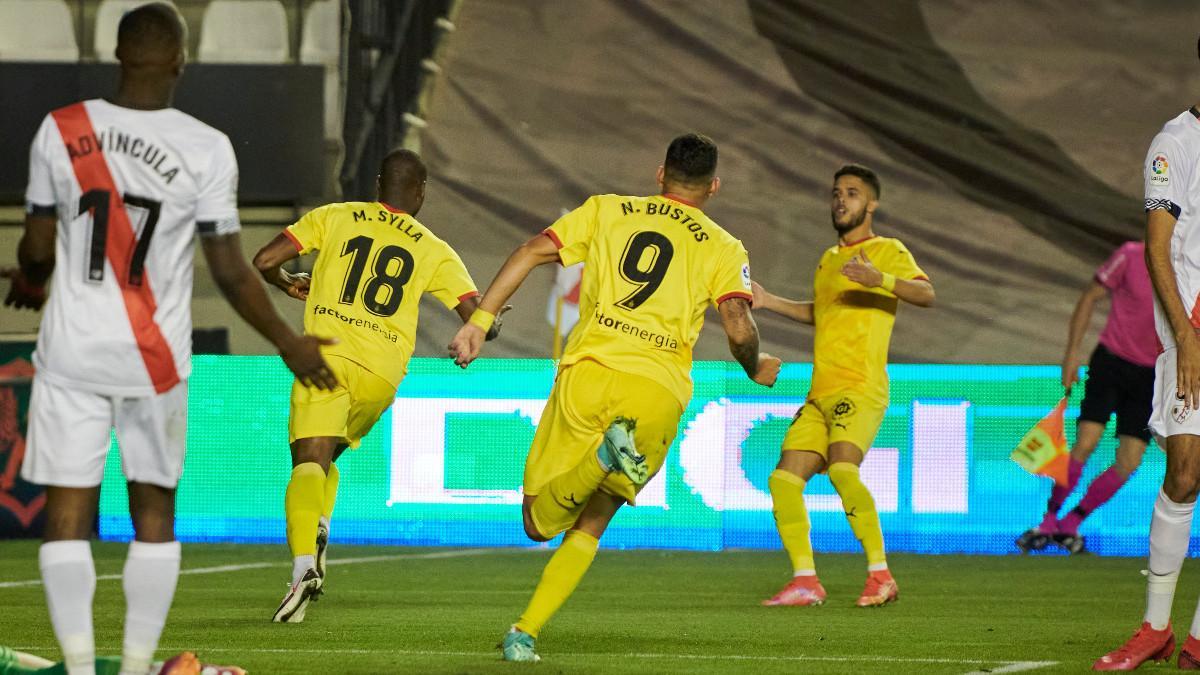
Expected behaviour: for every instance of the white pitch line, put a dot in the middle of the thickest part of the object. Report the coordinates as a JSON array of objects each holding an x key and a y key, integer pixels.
[
  {"x": 1005, "y": 666},
  {"x": 463, "y": 553},
  {"x": 1016, "y": 667}
]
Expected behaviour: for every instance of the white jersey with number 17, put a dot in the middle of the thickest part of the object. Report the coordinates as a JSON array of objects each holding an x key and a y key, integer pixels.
[{"x": 131, "y": 188}]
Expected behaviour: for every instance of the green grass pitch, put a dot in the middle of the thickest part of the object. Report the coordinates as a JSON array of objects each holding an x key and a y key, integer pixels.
[{"x": 390, "y": 610}]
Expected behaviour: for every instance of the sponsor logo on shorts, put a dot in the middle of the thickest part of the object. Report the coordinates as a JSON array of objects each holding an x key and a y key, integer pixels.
[
  {"x": 843, "y": 409},
  {"x": 1160, "y": 170}
]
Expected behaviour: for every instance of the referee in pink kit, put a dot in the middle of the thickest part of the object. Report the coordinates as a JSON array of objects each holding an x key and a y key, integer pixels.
[{"x": 1120, "y": 379}]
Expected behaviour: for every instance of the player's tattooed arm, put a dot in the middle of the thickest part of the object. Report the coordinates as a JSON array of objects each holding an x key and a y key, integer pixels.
[
  {"x": 796, "y": 310},
  {"x": 743, "y": 342},
  {"x": 269, "y": 261},
  {"x": 35, "y": 259}
]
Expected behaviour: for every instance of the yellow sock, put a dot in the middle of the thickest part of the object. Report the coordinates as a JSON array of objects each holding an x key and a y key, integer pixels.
[
  {"x": 561, "y": 501},
  {"x": 562, "y": 574},
  {"x": 791, "y": 518},
  {"x": 331, "y": 486},
  {"x": 860, "y": 510},
  {"x": 303, "y": 504}
]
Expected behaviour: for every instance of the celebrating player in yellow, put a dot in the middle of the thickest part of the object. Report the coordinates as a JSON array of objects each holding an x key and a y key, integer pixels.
[
  {"x": 652, "y": 266},
  {"x": 375, "y": 262},
  {"x": 856, "y": 291}
]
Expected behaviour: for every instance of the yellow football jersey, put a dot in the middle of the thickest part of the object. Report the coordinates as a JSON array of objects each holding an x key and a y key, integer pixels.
[
  {"x": 374, "y": 264},
  {"x": 853, "y": 322},
  {"x": 651, "y": 265}
]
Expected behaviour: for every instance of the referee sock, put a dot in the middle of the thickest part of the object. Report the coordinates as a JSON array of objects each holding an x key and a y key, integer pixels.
[
  {"x": 791, "y": 519},
  {"x": 1170, "y": 531},
  {"x": 1059, "y": 494},
  {"x": 561, "y": 501},
  {"x": 860, "y": 511},
  {"x": 303, "y": 504},
  {"x": 151, "y": 572},
  {"x": 562, "y": 574},
  {"x": 331, "y": 487},
  {"x": 69, "y": 577},
  {"x": 1101, "y": 490}
]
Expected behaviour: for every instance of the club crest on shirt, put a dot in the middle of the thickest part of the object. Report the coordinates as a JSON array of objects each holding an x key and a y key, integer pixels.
[{"x": 1160, "y": 170}]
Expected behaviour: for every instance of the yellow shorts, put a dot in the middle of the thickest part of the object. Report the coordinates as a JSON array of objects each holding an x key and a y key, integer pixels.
[
  {"x": 347, "y": 411},
  {"x": 586, "y": 398},
  {"x": 847, "y": 417}
]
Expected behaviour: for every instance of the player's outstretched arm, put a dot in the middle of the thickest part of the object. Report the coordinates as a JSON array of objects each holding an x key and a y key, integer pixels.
[
  {"x": 796, "y": 310},
  {"x": 1080, "y": 319},
  {"x": 743, "y": 342},
  {"x": 245, "y": 293},
  {"x": 467, "y": 307},
  {"x": 861, "y": 270},
  {"x": 465, "y": 346},
  {"x": 35, "y": 260},
  {"x": 269, "y": 261},
  {"x": 1160, "y": 226}
]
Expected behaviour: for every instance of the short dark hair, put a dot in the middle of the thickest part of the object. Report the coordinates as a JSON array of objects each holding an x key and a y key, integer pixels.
[
  {"x": 153, "y": 32},
  {"x": 691, "y": 159},
  {"x": 402, "y": 169},
  {"x": 868, "y": 176}
]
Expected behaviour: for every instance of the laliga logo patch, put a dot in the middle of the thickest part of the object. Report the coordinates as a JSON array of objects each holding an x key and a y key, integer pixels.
[
  {"x": 1159, "y": 168},
  {"x": 746, "y": 276}
]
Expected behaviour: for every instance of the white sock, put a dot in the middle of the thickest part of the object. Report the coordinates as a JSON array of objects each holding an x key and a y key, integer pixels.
[
  {"x": 1195, "y": 631},
  {"x": 300, "y": 564},
  {"x": 804, "y": 573},
  {"x": 1170, "y": 531},
  {"x": 69, "y": 576},
  {"x": 877, "y": 567},
  {"x": 151, "y": 571}
]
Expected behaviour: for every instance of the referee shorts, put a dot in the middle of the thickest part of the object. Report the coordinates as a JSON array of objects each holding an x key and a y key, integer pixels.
[{"x": 1116, "y": 385}]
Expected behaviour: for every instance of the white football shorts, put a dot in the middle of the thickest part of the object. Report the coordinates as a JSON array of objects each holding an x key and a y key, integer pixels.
[
  {"x": 68, "y": 435},
  {"x": 1170, "y": 417}
]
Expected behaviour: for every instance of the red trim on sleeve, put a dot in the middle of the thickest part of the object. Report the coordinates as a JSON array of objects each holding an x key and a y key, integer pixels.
[
  {"x": 295, "y": 242},
  {"x": 920, "y": 278},
  {"x": 91, "y": 172},
  {"x": 735, "y": 294},
  {"x": 467, "y": 296},
  {"x": 553, "y": 237}
]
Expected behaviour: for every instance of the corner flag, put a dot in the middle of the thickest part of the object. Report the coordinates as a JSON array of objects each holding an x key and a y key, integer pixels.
[{"x": 1043, "y": 451}]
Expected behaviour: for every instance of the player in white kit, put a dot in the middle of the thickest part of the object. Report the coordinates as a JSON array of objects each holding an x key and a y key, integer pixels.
[
  {"x": 1172, "y": 175},
  {"x": 117, "y": 192}
]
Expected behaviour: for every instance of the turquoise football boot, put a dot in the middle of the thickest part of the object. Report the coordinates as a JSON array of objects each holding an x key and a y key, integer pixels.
[
  {"x": 618, "y": 452},
  {"x": 518, "y": 646}
]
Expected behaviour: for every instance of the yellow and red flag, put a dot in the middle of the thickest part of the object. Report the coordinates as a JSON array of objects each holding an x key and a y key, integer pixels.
[{"x": 1043, "y": 451}]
